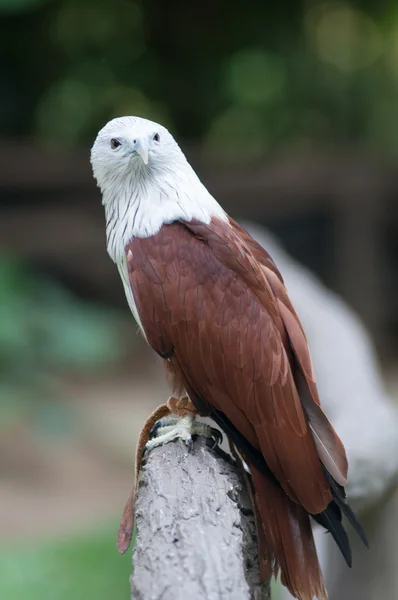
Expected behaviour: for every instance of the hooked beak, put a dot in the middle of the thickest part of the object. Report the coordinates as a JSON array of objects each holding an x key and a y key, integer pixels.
[{"x": 141, "y": 148}]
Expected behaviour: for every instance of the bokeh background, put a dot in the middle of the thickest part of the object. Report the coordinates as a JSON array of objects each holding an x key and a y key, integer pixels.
[{"x": 289, "y": 113}]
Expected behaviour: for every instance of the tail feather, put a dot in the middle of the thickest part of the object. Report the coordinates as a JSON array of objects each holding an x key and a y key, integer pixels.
[
  {"x": 268, "y": 489},
  {"x": 339, "y": 497},
  {"x": 330, "y": 519},
  {"x": 289, "y": 540}
]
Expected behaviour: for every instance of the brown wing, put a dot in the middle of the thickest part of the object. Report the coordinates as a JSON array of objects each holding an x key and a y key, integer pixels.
[
  {"x": 205, "y": 303},
  {"x": 329, "y": 445}
]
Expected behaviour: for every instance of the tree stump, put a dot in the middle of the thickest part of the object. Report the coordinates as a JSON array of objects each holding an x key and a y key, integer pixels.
[{"x": 196, "y": 536}]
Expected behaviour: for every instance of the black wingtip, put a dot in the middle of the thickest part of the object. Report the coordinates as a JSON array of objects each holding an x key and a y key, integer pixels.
[
  {"x": 330, "y": 519},
  {"x": 349, "y": 513},
  {"x": 339, "y": 498}
]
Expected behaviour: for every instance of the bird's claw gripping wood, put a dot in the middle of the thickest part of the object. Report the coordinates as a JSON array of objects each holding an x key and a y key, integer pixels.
[
  {"x": 171, "y": 428},
  {"x": 170, "y": 421}
]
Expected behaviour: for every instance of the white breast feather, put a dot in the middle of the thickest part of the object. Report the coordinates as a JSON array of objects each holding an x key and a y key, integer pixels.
[
  {"x": 140, "y": 209},
  {"x": 122, "y": 267}
]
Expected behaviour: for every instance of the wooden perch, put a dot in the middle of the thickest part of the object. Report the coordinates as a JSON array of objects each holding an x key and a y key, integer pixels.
[{"x": 196, "y": 535}]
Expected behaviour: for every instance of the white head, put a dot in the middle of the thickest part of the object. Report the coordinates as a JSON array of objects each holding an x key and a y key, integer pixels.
[
  {"x": 132, "y": 147},
  {"x": 145, "y": 182}
]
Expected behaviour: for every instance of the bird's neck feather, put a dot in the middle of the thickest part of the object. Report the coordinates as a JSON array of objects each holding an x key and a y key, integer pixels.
[{"x": 139, "y": 206}]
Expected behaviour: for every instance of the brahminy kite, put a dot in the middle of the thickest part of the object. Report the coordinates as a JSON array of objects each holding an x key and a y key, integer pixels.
[{"x": 212, "y": 304}]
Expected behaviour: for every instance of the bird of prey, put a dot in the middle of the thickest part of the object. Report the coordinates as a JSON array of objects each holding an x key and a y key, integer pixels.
[{"x": 212, "y": 304}]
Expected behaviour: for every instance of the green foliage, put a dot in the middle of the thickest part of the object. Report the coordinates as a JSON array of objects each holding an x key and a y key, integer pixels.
[
  {"x": 241, "y": 81},
  {"x": 42, "y": 324},
  {"x": 96, "y": 42},
  {"x": 78, "y": 567},
  {"x": 18, "y": 6},
  {"x": 256, "y": 78},
  {"x": 237, "y": 134},
  {"x": 44, "y": 331},
  {"x": 346, "y": 38}
]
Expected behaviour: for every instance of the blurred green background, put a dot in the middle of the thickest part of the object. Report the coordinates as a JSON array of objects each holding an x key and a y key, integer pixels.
[
  {"x": 304, "y": 73},
  {"x": 288, "y": 111}
]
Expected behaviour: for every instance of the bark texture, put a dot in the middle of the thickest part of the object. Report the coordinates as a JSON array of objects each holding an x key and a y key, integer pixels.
[{"x": 196, "y": 535}]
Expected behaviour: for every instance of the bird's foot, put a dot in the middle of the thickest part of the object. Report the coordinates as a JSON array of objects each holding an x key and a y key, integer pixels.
[{"x": 185, "y": 428}]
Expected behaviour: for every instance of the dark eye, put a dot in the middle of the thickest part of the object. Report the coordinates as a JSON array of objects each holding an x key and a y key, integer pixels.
[
  {"x": 115, "y": 143},
  {"x": 156, "y": 137}
]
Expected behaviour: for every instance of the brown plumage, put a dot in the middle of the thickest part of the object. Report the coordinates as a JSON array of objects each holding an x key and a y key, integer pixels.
[{"x": 213, "y": 304}]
